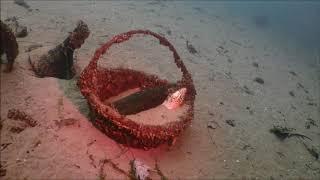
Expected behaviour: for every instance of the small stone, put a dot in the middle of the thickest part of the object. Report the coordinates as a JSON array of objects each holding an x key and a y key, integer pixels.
[
  {"x": 255, "y": 64},
  {"x": 230, "y": 122},
  {"x": 292, "y": 93},
  {"x": 3, "y": 172},
  {"x": 191, "y": 48},
  {"x": 21, "y": 31},
  {"x": 259, "y": 80},
  {"x": 33, "y": 47},
  {"x": 212, "y": 125},
  {"x": 247, "y": 90},
  {"x": 293, "y": 73}
]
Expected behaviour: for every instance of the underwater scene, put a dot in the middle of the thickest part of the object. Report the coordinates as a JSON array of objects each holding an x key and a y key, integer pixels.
[{"x": 160, "y": 89}]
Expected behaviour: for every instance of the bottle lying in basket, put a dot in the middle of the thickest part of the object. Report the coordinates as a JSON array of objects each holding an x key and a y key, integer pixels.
[
  {"x": 143, "y": 117},
  {"x": 149, "y": 98}
]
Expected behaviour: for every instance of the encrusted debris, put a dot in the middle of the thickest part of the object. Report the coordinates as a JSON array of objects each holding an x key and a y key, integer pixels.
[
  {"x": 58, "y": 62},
  {"x": 117, "y": 80},
  {"x": 19, "y": 115},
  {"x": 9, "y": 45}
]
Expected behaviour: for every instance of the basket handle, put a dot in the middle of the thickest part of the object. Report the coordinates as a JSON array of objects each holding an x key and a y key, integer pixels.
[{"x": 186, "y": 77}]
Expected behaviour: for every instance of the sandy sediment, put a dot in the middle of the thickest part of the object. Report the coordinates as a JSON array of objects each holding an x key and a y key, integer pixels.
[{"x": 229, "y": 137}]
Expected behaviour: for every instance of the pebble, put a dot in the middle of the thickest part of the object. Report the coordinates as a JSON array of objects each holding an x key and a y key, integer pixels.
[{"x": 259, "y": 80}]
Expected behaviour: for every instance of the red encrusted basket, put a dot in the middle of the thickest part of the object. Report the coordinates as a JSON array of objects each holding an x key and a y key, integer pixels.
[{"x": 98, "y": 83}]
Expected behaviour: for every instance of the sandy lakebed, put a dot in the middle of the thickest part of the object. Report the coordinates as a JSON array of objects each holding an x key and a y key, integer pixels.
[{"x": 247, "y": 82}]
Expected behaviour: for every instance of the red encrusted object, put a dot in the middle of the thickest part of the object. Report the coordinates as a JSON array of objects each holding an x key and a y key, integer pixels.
[{"x": 97, "y": 84}]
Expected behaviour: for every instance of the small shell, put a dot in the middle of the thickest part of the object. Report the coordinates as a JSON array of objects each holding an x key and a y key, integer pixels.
[
  {"x": 141, "y": 170},
  {"x": 176, "y": 99}
]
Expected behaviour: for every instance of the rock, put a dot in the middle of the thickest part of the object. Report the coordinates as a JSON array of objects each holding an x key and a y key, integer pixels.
[
  {"x": 310, "y": 122},
  {"x": 33, "y": 47},
  {"x": 191, "y": 48},
  {"x": 255, "y": 64},
  {"x": 212, "y": 125},
  {"x": 21, "y": 31},
  {"x": 259, "y": 80},
  {"x": 292, "y": 93},
  {"x": 231, "y": 122},
  {"x": 18, "y": 30},
  {"x": 247, "y": 90},
  {"x": 293, "y": 73},
  {"x": 3, "y": 172}
]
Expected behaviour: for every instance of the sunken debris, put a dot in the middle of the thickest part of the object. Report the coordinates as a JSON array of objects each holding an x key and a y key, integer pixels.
[
  {"x": 9, "y": 45},
  {"x": 312, "y": 150},
  {"x": 58, "y": 62},
  {"x": 283, "y": 132},
  {"x": 117, "y": 80},
  {"x": 19, "y": 115}
]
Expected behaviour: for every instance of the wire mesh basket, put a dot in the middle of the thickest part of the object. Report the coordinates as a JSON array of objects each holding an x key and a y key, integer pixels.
[{"x": 99, "y": 83}]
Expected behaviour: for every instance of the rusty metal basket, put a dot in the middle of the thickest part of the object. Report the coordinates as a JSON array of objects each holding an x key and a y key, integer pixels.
[{"x": 98, "y": 83}]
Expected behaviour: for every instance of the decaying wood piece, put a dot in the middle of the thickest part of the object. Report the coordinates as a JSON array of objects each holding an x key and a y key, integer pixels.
[
  {"x": 98, "y": 84},
  {"x": 9, "y": 45},
  {"x": 58, "y": 62}
]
